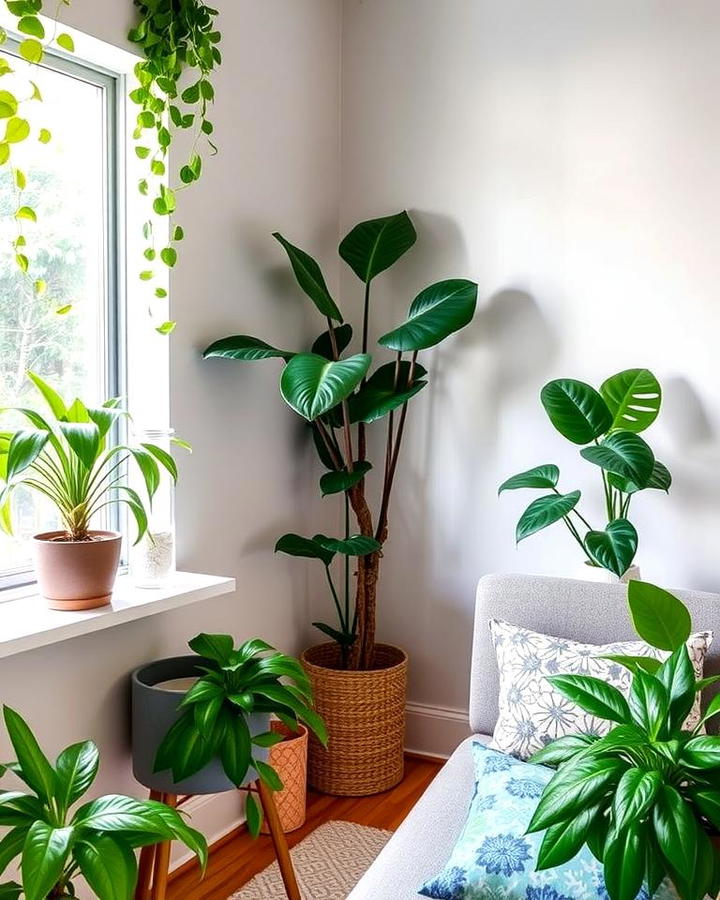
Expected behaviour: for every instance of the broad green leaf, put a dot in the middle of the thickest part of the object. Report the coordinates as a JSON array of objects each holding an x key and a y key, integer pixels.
[
  {"x": 16, "y": 130},
  {"x": 164, "y": 458},
  {"x": 26, "y": 212},
  {"x": 713, "y": 708},
  {"x": 343, "y": 638},
  {"x": 166, "y": 327},
  {"x": 183, "y": 750},
  {"x": 634, "y": 398},
  {"x": 76, "y": 768},
  {"x": 659, "y": 618},
  {"x": 677, "y": 675},
  {"x": 280, "y": 696},
  {"x": 32, "y": 51},
  {"x": 253, "y": 815},
  {"x": 660, "y": 480},
  {"x": 436, "y": 313},
  {"x": 707, "y": 800},
  {"x": 375, "y": 245},
  {"x": 66, "y": 42},
  {"x": 235, "y": 750},
  {"x": 594, "y": 696},
  {"x": 624, "y": 863},
  {"x": 614, "y": 549},
  {"x": 8, "y": 107},
  {"x": 371, "y": 403},
  {"x": 268, "y": 739},
  {"x": 562, "y": 749},
  {"x": 545, "y": 511},
  {"x": 218, "y": 647},
  {"x": 108, "y": 865},
  {"x": 115, "y": 813},
  {"x": 84, "y": 440},
  {"x": 355, "y": 545},
  {"x": 206, "y": 713},
  {"x": 11, "y": 846},
  {"x": 336, "y": 482},
  {"x": 148, "y": 469},
  {"x": 268, "y": 775},
  {"x": 202, "y": 691},
  {"x": 576, "y": 410},
  {"x": 34, "y": 767},
  {"x": 296, "y": 545},
  {"x": 649, "y": 703},
  {"x": 634, "y": 795},
  {"x": 702, "y": 752},
  {"x": 43, "y": 858},
  {"x": 11, "y": 890},
  {"x": 563, "y": 841},
  {"x": 674, "y": 826},
  {"x": 537, "y": 477},
  {"x": 169, "y": 256},
  {"x": 623, "y": 453},
  {"x": 24, "y": 449},
  {"x": 311, "y": 385},
  {"x": 51, "y": 397},
  {"x": 633, "y": 663},
  {"x": 31, "y": 25},
  {"x": 310, "y": 278},
  {"x": 323, "y": 345},
  {"x": 244, "y": 347}
]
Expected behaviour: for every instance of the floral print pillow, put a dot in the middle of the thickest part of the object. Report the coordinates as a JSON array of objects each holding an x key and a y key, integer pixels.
[
  {"x": 495, "y": 860},
  {"x": 532, "y": 712}
]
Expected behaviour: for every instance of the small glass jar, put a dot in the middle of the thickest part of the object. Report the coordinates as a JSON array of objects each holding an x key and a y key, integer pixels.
[{"x": 152, "y": 560}]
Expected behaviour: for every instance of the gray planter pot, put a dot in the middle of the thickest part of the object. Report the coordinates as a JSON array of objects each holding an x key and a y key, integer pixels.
[{"x": 155, "y": 709}]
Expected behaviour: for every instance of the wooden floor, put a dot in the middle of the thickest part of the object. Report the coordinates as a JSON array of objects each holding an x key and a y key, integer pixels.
[{"x": 236, "y": 859}]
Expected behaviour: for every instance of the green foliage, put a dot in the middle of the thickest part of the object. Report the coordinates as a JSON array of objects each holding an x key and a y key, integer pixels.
[
  {"x": 254, "y": 678},
  {"x": 53, "y": 843},
  {"x": 646, "y": 797},
  {"x": 179, "y": 39},
  {"x": 70, "y": 458},
  {"x": 609, "y": 421},
  {"x": 337, "y": 392}
]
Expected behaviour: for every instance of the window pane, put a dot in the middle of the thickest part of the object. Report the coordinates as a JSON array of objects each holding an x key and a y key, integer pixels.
[{"x": 66, "y": 184}]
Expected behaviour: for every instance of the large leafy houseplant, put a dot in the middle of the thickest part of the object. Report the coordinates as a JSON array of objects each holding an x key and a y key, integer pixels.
[
  {"x": 646, "y": 797},
  {"x": 340, "y": 397},
  {"x": 237, "y": 682},
  {"x": 57, "y": 843},
  {"x": 607, "y": 424}
]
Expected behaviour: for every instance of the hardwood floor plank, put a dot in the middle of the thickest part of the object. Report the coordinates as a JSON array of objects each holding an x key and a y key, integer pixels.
[{"x": 237, "y": 858}]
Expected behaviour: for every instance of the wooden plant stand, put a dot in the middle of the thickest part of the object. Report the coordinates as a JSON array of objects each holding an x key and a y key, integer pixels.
[{"x": 155, "y": 860}]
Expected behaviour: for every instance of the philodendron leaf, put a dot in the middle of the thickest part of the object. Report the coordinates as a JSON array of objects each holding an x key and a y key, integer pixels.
[
  {"x": 623, "y": 453},
  {"x": 336, "y": 482},
  {"x": 594, "y": 696},
  {"x": 614, "y": 549},
  {"x": 434, "y": 314},
  {"x": 659, "y": 618},
  {"x": 624, "y": 862},
  {"x": 296, "y": 545},
  {"x": 43, "y": 858},
  {"x": 218, "y": 647},
  {"x": 576, "y": 410},
  {"x": 84, "y": 440},
  {"x": 563, "y": 841},
  {"x": 675, "y": 829},
  {"x": 244, "y": 347},
  {"x": 562, "y": 749},
  {"x": 545, "y": 511},
  {"x": 310, "y": 278},
  {"x": 76, "y": 768},
  {"x": 24, "y": 448},
  {"x": 34, "y": 767},
  {"x": 537, "y": 477},
  {"x": 634, "y": 398},
  {"x": 108, "y": 865},
  {"x": 371, "y": 403},
  {"x": 375, "y": 245},
  {"x": 702, "y": 752},
  {"x": 634, "y": 795},
  {"x": 311, "y": 385},
  {"x": 649, "y": 703},
  {"x": 323, "y": 344},
  {"x": 660, "y": 480},
  {"x": 355, "y": 545}
]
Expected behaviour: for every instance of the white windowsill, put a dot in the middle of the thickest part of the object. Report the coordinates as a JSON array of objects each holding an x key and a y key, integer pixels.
[{"x": 26, "y": 623}]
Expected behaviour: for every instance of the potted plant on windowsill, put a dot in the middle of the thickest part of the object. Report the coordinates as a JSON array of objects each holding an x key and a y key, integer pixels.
[
  {"x": 646, "y": 797},
  {"x": 201, "y": 724},
  {"x": 96, "y": 842},
  {"x": 359, "y": 685},
  {"x": 607, "y": 424},
  {"x": 69, "y": 457}
]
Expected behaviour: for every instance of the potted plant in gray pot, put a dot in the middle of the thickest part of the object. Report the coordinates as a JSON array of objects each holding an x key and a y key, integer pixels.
[
  {"x": 359, "y": 684},
  {"x": 201, "y": 724},
  {"x": 70, "y": 457}
]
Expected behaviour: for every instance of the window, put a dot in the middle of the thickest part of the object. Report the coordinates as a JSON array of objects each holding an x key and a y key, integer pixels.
[{"x": 71, "y": 333}]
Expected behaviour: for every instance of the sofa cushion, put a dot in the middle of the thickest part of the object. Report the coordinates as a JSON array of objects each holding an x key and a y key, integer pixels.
[
  {"x": 495, "y": 858},
  {"x": 532, "y": 712}
]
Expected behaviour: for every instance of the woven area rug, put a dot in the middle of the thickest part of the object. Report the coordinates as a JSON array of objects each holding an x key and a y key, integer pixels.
[{"x": 328, "y": 863}]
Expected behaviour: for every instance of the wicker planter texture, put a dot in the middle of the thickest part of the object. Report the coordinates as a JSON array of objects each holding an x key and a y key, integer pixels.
[
  {"x": 365, "y": 717},
  {"x": 289, "y": 759}
]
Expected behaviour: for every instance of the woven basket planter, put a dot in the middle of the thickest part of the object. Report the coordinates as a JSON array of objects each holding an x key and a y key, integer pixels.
[
  {"x": 365, "y": 717},
  {"x": 289, "y": 759}
]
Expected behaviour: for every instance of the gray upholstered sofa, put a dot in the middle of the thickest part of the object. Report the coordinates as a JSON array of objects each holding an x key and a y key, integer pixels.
[{"x": 579, "y": 610}]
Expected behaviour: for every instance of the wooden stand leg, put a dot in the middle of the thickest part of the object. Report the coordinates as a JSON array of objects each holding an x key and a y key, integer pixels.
[
  {"x": 147, "y": 862},
  {"x": 279, "y": 841},
  {"x": 161, "y": 868}
]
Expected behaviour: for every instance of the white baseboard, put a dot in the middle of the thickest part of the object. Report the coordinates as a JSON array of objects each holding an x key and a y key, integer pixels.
[
  {"x": 435, "y": 730},
  {"x": 214, "y": 815}
]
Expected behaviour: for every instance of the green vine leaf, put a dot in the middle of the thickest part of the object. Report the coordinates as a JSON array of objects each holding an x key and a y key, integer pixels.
[
  {"x": 25, "y": 212},
  {"x": 31, "y": 25},
  {"x": 31, "y": 50},
  {"x": 66, "y": 42},
  {"x": 45, "y": 136},
  {"x": 16, "y": 130},
  {"x": 166, "y": 328}
]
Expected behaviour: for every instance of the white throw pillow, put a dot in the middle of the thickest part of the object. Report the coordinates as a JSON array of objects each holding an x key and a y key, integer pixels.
[{"x": 533, "y": 713}]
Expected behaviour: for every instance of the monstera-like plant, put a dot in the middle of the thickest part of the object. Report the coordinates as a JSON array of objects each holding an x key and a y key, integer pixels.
[
  {"x": 340, "y": 394},
  {"x": 607, "y": 425}
]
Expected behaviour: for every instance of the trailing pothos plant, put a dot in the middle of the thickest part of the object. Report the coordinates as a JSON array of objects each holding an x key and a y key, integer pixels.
[
  {"x": 646, "y": 797},
  {"x": 607, "y": 423},
  {"x": 69, "y": 456},
  {"x": 254, "y": 678},
  {"x": 339, "y": 397},
  {"x": 180, "y": 42},
  {"x": 56, "y": 843},
  {"x": 15, "y": 125}
]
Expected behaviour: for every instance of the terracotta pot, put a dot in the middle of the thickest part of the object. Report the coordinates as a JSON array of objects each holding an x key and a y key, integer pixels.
[
  {"x": 365, "y": 717},
  {"x": 76, "y": 575},
  {"x": 289, "y": 759}
]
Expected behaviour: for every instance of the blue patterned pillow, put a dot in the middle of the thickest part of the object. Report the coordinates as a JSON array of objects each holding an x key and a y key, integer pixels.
[{"x": 495, "y": 860}]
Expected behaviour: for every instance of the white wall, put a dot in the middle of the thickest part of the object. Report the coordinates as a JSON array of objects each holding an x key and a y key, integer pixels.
[
  {"x": 276, "y": 118},
  {"x": 564, "y": 155}
]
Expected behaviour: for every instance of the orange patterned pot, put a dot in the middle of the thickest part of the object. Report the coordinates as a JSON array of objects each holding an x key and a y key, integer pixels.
[{"x": 289, "y": 759}]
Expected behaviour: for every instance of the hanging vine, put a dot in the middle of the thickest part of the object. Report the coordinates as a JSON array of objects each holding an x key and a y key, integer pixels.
[
  {"x": 179, "y": 41},
  {"x": 16, "y": 127}
]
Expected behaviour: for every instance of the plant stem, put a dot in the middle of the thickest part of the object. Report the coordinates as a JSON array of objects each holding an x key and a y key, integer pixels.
[
  {"x": 336, "y": 600},
  {"x": 347, "y": 560},
  {"x": 362, "y": 443},
  {"x": 346, "y": 416},
  {"x": 334, "y": 455}
]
